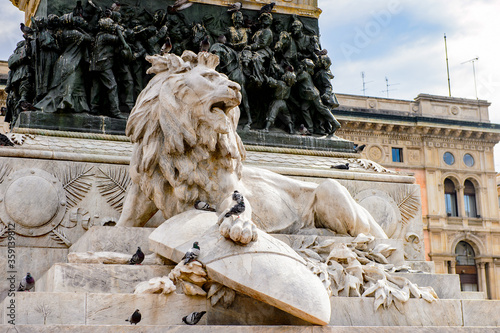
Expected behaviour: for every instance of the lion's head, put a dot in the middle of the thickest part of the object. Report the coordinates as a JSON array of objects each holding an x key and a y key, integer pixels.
[{"x": 183, "y": 127}]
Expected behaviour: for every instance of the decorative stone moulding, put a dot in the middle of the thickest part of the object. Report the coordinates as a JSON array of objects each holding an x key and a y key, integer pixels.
[{"x": 33, "y": 200}]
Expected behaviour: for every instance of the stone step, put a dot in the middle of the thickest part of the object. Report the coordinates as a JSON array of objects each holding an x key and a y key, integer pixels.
[
  {"x": 238, "y": 329},
  {"x": 98, "y": 278},
  {"x": 113, "y": 239},
  {"x": 39, "y": 308},
  {"x": 446, "y": 286},
  {"x": 472, "y": 295}
]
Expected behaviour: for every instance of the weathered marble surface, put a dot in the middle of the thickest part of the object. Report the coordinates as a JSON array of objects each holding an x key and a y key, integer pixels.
[
  {"x": 110, "y": 258},
  {"x": 123, "y": 240},
  {"x": 481, "y": 312},
  {"x": 48, "y": 308},
  {"x": 446, "y": 286},
  {"x": 358, "y": 311},
  {"x": 28, "y": 259},
  {"x": 97, "y": 278},
  {"x": 262, "y": 269},
  {"x": 113, "y": 309},
  {"x": 472, "y": 295}
]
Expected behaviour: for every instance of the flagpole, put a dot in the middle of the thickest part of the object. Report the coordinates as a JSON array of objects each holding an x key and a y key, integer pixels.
[{"x": 447, "y": 66}]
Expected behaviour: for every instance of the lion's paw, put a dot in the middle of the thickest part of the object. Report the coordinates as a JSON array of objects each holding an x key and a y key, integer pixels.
[{"x": 237, "y": 230}]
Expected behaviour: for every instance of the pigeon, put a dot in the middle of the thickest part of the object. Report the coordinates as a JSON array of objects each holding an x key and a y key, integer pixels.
[
  {"x": 303, "y": 130},
  {"x": 5, "y": 141},
  {"x": 78, "y": 10},
  {"x": 205, "y": 45},
  {"x": 135, "y": 317},
  {"x": 192, "y": 254},
  {"x": 359, "y": 148},
  {"x": 27, "y": 106},
  {"x": 115, "y": 6},
  {"x": 25, "y": 29},
  {"x": 27, "y": 283},
  {"x": 178, "y": 6},
  {"x": 239, "y": 207},
  {"x": 341, "y": 166},
  {"x": 202, "y": 205},
  {"x": 234, "y": 7},
  {"x": 193, "y": 318},
  {"x": 321, "y": 52},
  {"x": 137, "y": 258},
  {"x": 267, "y": 8},
  {"x": 221, "y": 39},
  {"x": 167, "y": 46}
]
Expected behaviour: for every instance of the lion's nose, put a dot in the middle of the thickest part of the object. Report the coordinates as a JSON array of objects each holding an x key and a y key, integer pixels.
[{"x": 235, "y": 86}]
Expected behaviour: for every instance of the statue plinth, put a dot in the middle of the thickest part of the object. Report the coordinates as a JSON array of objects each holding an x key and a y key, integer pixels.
[
  {"x": 73, "y": 122},
  {"x": 285, "y": 140}
]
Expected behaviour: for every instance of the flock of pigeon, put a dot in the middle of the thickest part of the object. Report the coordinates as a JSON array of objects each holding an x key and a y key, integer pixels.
[{"x": 191, "y": 255}]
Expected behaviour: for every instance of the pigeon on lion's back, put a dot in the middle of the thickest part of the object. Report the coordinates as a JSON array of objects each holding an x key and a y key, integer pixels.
[{"x": 186, "y": 148}]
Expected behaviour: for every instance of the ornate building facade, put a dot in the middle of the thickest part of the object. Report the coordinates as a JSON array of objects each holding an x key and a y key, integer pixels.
[{"x": 447, "y": 145}]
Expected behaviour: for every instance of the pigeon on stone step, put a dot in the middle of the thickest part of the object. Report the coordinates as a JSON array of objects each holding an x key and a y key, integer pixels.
[
  {"x": 27, "y": 283},
  {"x": 137, "y": 258},
  {"x": 135, "y": 317},
  {"x": 192, "y": 254},
  {"x": 341, "y": 166},
  {"x": 239, "y": 207},
  {"x": 193, "y": 318}
]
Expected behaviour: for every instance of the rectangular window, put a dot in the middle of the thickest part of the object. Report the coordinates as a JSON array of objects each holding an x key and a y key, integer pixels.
[
  {"x": 397, "y": 154},
  {"x": 470, "y": 205},
  {"x": 451, "y": 204}
]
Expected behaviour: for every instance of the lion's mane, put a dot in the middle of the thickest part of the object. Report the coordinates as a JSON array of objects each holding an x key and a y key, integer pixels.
[{"x": 182, "y": 149}]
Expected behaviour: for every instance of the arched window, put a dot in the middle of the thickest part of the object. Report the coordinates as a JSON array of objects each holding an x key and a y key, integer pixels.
[
  {"x": 470, "y": 199},
  {"x": 450, "y": 197},
  {"x": 466, "y": 266}
]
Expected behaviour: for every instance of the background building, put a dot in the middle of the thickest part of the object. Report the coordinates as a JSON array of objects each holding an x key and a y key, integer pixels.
[{"x": 447, "y": 144}]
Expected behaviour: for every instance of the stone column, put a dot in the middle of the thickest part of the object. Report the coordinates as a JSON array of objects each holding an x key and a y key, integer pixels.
[
  {"x": 482, "y": 278},
  {"x": 491, "y": 279},
  {"x": 460, "y": 201},
  {"x": 453, "y": 264}
]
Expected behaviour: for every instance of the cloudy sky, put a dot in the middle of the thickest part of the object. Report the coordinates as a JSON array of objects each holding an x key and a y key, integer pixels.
[
  {"x": 400, "y": 40},
  {"x": 403, "y": 41}
]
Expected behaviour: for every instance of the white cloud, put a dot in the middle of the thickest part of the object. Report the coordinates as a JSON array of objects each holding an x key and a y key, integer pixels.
[{"x": 10, "y": 34}]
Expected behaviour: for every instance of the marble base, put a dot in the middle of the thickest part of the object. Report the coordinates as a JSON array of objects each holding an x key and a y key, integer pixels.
[
  {"x": 446, "y": 286},
  {"x": 98, "y": 278}
]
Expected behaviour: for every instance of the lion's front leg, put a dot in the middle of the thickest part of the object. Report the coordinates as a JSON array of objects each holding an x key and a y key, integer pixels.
[
  {"x": 137, "y": 208},
  {"x": 235, "y": 222}
]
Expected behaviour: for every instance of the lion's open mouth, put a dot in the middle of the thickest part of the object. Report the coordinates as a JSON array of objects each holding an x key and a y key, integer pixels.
[{"x": 221, "y": 106}]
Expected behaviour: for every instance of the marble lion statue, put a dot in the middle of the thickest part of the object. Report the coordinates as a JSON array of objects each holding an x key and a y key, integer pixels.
[{"x": 183, "y": 128}]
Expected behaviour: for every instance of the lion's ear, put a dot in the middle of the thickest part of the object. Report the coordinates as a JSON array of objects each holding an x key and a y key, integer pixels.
[{"x": 208, "y": 59}]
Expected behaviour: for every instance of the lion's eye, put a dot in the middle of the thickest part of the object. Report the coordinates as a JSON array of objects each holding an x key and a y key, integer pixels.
[{"x": 210, "y": 75}]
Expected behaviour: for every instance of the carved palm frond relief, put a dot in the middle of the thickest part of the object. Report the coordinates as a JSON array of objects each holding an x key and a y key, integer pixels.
[
  {"x": 113, "y": 184},
  {"x": 408, "y": 203},
  {"x": 60, "y": 237},
  {"x": 75, "y": 182}
]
